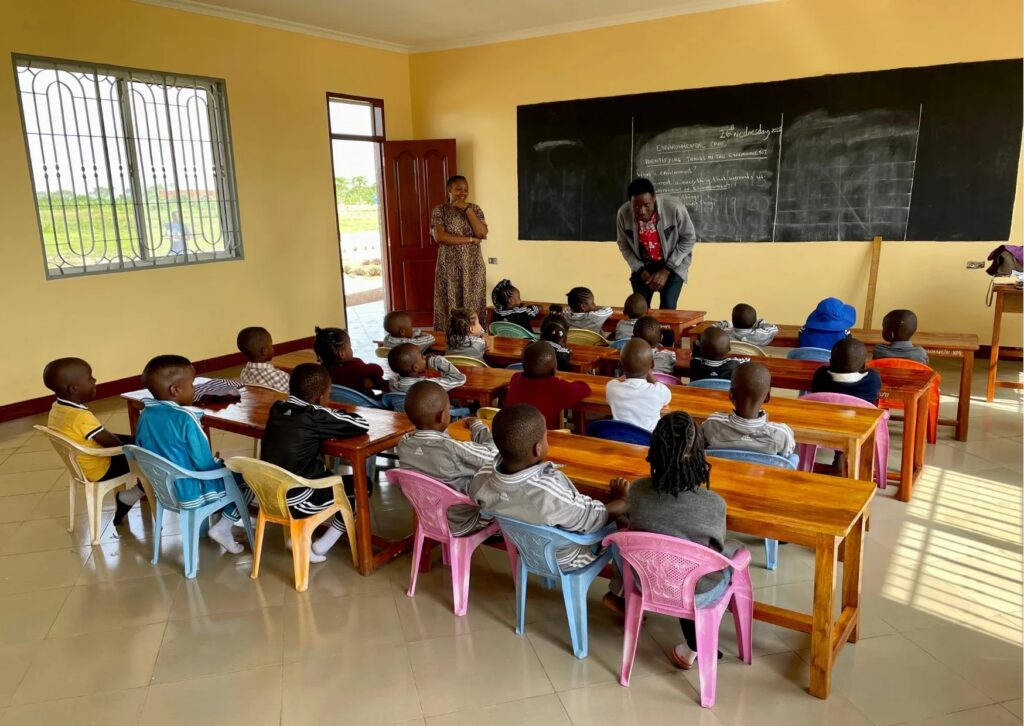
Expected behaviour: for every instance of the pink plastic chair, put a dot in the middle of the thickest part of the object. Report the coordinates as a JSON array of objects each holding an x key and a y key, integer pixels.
[
  {"x": 806, "y": 452},
  {"x": 669, "y": 569},
  {"x": 667, "y": 378},
  {"x": 431, "y": 499}
]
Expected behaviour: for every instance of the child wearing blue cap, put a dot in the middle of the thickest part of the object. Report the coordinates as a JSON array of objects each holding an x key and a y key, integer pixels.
[{"x": 827, "y": 324}]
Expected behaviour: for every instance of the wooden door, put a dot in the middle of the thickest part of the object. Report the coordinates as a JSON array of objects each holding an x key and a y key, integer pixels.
[{"x": 415, "y": 173}]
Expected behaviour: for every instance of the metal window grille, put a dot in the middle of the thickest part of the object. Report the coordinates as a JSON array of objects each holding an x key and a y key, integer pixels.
[{"x": 132, "y": 169}]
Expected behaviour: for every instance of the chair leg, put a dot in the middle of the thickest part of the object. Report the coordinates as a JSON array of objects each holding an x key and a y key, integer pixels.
[
  {"x": 742, "y": 618},
  {"x": 93, "y": 507},
  {"x": 301, "y": 545},
  {"x": 461, "y": 556},
  {"x": 71, "y": 504},
  {"x": 446, "y": 559},
  {"x": 513, "y": 558},
  {"x": 190, "y": 541},
  {"x": 634, "y": 620},
  {"x": 257, "y": 545},
  {"x": 521, "y": 578},
  {"x": 158, "y": 527},
  {"x": 243, "y": 513},
  {"x": 771, "y": 554},
  {"x": 417, "y": 552},
  {"x": 707, "y": 654},
  {"x": 350, "y": 532},
  {"x": 574, "y": 592}
]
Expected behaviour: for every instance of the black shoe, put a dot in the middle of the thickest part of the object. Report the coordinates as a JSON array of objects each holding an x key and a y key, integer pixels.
[{"x": 121, "y": 511}]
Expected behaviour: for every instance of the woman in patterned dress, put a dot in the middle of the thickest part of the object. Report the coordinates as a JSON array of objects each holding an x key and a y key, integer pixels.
[{"x": 458, "y": 227}]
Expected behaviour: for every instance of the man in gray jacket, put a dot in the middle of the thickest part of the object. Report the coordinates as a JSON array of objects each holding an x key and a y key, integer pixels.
[{"x": 656, "y": 237}]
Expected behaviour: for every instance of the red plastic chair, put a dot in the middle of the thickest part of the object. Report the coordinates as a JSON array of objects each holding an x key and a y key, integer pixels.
[
  {"x": 933, "y": 395},
  {"x": 669, "y": 568},
  {"x": 806, "y": 452},
  {"x": 431, "y": 499}
]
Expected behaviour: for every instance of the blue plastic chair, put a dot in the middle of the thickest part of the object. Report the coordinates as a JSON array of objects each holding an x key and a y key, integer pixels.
[
  {"x": 515, "y": 367},
  {"x": 819, "y": 354},
  {"x": 619, "y": 344},
  {"x": 344, "y": 394},
  {"x": 622, "y": 431},
  {"x": 771, "y": 546},
  {"x": 535, "y": 547},
  {"x": 162, "y": 475},
  {"x": 715, "y": 384},
  {"x": 511, "y": 330},
  {"x": 394, "y": 402}
]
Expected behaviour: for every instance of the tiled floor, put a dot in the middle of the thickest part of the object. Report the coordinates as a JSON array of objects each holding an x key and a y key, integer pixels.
[
  {"x": 99, "y": 635},
  {"x": 365, "y": 325}
]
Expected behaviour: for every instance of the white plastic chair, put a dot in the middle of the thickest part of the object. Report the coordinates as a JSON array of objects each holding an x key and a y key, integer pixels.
[{"x": 738, "y": 346}]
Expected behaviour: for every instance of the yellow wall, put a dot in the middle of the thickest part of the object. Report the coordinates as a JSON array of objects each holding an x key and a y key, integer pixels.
[
  {"x": 471, "y": 94},
  {"x": 290, "y": 278}
]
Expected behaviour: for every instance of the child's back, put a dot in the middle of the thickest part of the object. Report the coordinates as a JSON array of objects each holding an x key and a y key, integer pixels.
[
  {"x": 649, "y": 329},
  {"x": 584, "y": 313},
  {"x": 464, "y": 335},
  {"x": 747, "y": 428},
  {"x": 538, "y": 385},
  {"x": 746, "y": 327},
  {"x": 898, "y": 327},
  {"x": 257, "y": 346},
  {"x": 827, "y": 324},
  {"x": 637, "y": 399},
  {"x": 846, "y": 373},
  {"x": 554, "y": 330},
  {"x": 333, "y": 349},
  {"x": 714, "y": 360},
  {"x": 634, "y": 309}
]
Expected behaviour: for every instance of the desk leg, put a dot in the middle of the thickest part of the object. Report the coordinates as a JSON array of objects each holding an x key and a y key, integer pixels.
[
  {"x": 963, "y": 406},
  {"x": 822, "y": 624},
  {"x": 364, "y": 535},
  {"x": 911, "y": 423},
  {"x": 993, "y": 356},
  {"x": 853, "y": 547},
  {"x": 852, "y": 455}
]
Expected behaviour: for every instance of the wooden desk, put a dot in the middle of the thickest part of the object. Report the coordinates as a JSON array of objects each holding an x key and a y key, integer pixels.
[
  {"x": 676, "y": 320},
  {"x": 1008, "y": 299},
  {"x": 506, "y": 351},
  {"x": 248, "y": 417},
  {"x": 910, "y": 387},
  {"x": 825, "y": 513},
  {"x": 938, "y": 345}
]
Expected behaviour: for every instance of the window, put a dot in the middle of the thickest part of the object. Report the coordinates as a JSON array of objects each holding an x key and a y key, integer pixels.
[{"x": 131, "y": 169}]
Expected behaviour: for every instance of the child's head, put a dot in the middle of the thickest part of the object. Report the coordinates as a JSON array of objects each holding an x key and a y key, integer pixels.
[
  {"x": 899, "y": 325},
  {"x": 397, "y": 323},
  {"x": 848, "y": 356},
  {"x": 255, "y": 344},
  {"x": 505, "y": 295},
  {"x": 649, "y": 329},
  {"x": 554, "y": 329},
  {"x": 311, "y": 382},
  {"x": 460, "y": 326},
  {"x": 580, "y": 299},
  {"x": 407, "y": 360},
  {"x": 744, "y": 317},
  {"x": 637, "y": 358},
  {"x": 676, "y": 455},
  {"x": 635, "y": 306},
  {"x": 170, "y": 378},
  {"x": 332, "y": 345},
  {"x": 714, "y": 343},
  {"x": 751, "y": 387},
  {"x": 539, "y": 360},
  {"x": 71, "y": 379},
  {"x": 521, "y": 436},
  {"x": 428, "y": 407}
]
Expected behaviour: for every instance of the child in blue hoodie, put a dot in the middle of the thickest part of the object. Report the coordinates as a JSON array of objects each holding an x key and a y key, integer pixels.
[{"x": 827, "y": 324}]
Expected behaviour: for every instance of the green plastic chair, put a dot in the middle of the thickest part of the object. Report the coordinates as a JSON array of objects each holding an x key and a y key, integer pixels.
[{"x": 511, "y": 330}]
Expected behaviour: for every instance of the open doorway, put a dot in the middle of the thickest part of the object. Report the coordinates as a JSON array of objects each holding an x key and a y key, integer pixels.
[{"x": 357, "y": 132}]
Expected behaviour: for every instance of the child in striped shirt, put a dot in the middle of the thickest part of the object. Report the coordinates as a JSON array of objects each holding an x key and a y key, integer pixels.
[
  {"x": 408, "y": 363},
  {"x": 746, "y": 327},
  {"x": 634, "y": 308},
  {"x": 398, "y": 326},
  {"x": 583, "y": 312},
  {"x": 649, "y": 329},
  {"x": 465, "y": 335},
  {"x": 257, "y": 346},
  {"x": 747, "y": 428},
  {"x": 714, "y": 360},
  {"x": 509, "y": 308}
]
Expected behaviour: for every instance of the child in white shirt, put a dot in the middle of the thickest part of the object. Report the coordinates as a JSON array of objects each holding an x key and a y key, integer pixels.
[{"x": 637, "y": 398}]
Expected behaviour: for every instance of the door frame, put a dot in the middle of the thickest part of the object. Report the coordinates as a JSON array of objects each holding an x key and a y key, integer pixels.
[{"x": 377, "y": 105}]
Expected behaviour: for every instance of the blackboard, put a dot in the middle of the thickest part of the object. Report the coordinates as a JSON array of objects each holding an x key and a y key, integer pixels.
[{"x": 916, "y": 153}]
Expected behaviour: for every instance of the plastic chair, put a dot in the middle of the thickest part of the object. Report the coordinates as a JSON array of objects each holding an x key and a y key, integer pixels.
[
  {"x": 467, "y": 361},
  {"x": 715, "y": 384},
  {"x": 270, "y": 484},
  {"x": 95, "y": 491},
  {"x": 807, "y": 452},
  {"x": 514, "y": 366},
  {"x": 582, "y": 336},
  {"x": 344, "y": 394},
  {"x": 622, "y": 431},
  {"x": 667, "y": 378},
  {"x": 743, "y": 348},
  {"x": 161, "y": 475},
  {"x": 819, "y": 354},
  {"x": 619, "y": 344},
  {"x": 430, "y": 500},
  {"x": 511, "y": 330},
  {"x": 382, "y": 352},
  {"x": 668, "y": 569},
  {"x": 394, "y": 402},
  {"x": 771, "y": 546},
  {"x": 535, "y": 547},
  {"x": 933, "y": 394},
  {"x": 486, "y": 413}
]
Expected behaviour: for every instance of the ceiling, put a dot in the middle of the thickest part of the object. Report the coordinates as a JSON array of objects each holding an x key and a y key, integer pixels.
[{"x": 421, "y": 25}]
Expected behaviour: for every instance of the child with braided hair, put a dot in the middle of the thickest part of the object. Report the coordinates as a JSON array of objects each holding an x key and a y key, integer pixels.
[
  {"x": 583, "y": 311},
  {"x": 509, "y": 308},
  {"x": 676, "y": 500}
]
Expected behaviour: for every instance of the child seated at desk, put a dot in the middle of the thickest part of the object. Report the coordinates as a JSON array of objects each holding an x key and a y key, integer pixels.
[
  {"x": 847, "y": 373},
  {"x": 713, "y": 359},
  {"x": 431, "y": 451},
  {"x": 746, "y": 327},
  {"x": 521, "y": 485},
  {"x": 72, "y": 381},
  {"x": 649, "y": 330},
  {"x": 398, "y": 326},
  {"x": 583, "y": 313},
  {"x": 408, "y": 363},
  {"x": 171, "y": 429},
  {"x": 257, "y": 346},
  {"x": 538, "y": 385},
  {"x": 509, "y": 308},
  {"x": 333, "y": 348},
  {"x": 634, "y": 308},
  {"x": 296, "y": 430},
  {"x": 827, "y": 324},
  {"x": 554, "y": 330},
  {"x": 747, "y": 428},
  {"x": 898, "y": 327},
  {"x": 637, "y": 398},
  {"x": 465, "y": 336}
]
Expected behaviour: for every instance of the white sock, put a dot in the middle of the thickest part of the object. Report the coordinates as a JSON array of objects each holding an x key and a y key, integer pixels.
[
  {"x": 327, "y": 540},
  {"x": 221, "y": 534},
  {"x": 313, "y": 556},
  {"x": 130, "y": 496},
  {"x": 684, "y": 653}
]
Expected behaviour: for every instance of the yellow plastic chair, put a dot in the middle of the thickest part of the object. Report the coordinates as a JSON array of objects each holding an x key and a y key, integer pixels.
[
  {"x": 738, "y": 346},
  {"x": 69, "y": 451},
  {"x": 270, "y": 484},
  {"x": 465, "y": 361},
  {"x": 585, "y": 337},
  {"x": 486, "y": 413},
  {"x": 382, "y": 352}
]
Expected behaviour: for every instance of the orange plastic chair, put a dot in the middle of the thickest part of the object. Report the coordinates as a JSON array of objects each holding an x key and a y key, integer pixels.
[
  {"x": 270, "y": 484},
  {"x": 933, "y": 395}
]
